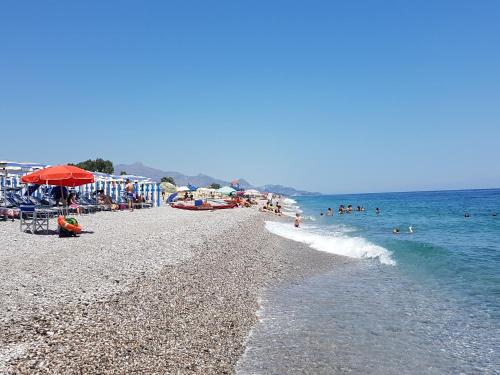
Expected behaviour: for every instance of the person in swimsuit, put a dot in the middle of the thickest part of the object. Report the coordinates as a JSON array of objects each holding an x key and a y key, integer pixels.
[
  {"x": 72, "y": 202},
  {"x": 329, "y": 212},
  {"x": 297, "y": 220},
  {"x": 129, "y": 188}
]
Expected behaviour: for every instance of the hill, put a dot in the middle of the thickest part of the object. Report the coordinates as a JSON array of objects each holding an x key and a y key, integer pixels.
[{"x": 140, "y": 169}]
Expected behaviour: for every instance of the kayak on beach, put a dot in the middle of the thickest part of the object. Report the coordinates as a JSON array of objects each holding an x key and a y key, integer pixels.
[{"x": 204, "y": 206}]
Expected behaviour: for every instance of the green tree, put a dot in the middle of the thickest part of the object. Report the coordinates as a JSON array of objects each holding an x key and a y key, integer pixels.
[
  {"x": 168, "y": 179},
  {"x": 214, "y": 186},
  {"x": 97, "y": 165},
  {"x": 122, "y": 173}
]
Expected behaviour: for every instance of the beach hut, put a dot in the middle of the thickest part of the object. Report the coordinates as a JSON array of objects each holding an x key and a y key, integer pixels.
[{"x": 226, "y": 190}]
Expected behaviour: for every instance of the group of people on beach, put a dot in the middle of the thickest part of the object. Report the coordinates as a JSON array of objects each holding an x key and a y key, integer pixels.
[
  {"x": 272, "y": 208},
  {"x": 103, "y": 199}
]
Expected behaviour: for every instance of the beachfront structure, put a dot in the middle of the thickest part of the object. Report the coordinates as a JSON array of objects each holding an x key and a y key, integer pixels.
[{"x": 112, "y": 185}]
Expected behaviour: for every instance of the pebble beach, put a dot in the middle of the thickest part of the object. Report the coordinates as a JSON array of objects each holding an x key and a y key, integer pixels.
[{"x": 161, "y": 291}]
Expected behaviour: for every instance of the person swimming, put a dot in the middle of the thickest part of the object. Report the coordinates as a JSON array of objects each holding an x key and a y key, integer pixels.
[
  {"x": 466, "y": 215},
  {"x": 494, "y": 214},
  {"x": 377, "y": 210},
  {"x": 395, "y": 231}
]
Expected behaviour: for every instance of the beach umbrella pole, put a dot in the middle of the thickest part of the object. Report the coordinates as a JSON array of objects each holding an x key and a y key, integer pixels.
[{"x": 4, "y": 187}]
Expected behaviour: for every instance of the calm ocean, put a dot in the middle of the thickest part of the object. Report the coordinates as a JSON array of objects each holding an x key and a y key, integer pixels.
[{"x": 420, "y": 303}]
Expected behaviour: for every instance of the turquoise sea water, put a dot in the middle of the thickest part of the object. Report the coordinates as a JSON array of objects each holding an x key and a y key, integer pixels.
[{"x": 426, "y": 302}]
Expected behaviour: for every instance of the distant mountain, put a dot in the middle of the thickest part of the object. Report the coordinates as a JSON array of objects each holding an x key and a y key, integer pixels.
[
  {"x": 285, "y": 190},
  {"x": 140, "y": 169}
]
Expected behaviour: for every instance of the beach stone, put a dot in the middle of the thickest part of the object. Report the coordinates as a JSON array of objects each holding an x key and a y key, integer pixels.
[{"x": 172, "y": 291}]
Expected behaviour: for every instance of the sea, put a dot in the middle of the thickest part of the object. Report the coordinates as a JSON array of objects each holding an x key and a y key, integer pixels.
[{"x": 425, "y": 301}]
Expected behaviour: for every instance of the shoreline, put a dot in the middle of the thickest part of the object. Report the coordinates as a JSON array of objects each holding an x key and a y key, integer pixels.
[{"x": 187, "y": 310}]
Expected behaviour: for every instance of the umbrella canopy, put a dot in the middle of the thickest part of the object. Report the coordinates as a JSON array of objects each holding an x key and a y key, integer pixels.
[
  {"x": 182, "y": 188},
  {"x": 192, "y": 187},
  {"x": 61, "y": 175},
  {"x": 168, "y": 187},
  {"x": 226, "y": 190}
]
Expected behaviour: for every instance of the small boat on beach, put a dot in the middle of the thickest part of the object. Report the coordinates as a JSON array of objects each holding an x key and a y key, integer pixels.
[{"x": 204, "y": 206}]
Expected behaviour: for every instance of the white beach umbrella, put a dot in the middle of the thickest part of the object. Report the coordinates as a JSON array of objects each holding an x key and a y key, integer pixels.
[
  {"x": 226, "y": 190},
  {"x": 168, "y": 187},
  {"x": 182, "y": 188}
]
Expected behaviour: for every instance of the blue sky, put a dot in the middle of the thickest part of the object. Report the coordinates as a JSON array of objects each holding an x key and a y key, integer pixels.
[{"x": 353, "y": 96}]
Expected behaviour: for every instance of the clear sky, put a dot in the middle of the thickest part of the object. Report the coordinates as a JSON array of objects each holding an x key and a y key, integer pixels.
[{"x": 351, "y": 96}]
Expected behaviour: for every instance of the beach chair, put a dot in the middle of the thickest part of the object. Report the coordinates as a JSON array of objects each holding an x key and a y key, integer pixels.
[
  {"x": 87, "y": 205},
  {"x": 33, "y": 220}
]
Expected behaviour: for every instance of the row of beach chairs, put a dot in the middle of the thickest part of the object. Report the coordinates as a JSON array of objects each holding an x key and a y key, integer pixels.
[{"x": 14, "y": 205}]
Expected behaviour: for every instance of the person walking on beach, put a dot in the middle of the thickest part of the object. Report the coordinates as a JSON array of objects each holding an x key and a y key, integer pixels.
[
  {"x": 297, "y": 220},
  {"x": 129, "y": 188}
]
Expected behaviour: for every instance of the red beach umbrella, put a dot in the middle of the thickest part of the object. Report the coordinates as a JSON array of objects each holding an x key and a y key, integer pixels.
[{"x": 61, "y": 175}]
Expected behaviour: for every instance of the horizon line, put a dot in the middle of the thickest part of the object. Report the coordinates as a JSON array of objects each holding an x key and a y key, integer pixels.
[{"x": 409, "y": 191}]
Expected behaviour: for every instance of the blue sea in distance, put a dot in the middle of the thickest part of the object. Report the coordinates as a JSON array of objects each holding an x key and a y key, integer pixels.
[{"x": 426, "y": 302}]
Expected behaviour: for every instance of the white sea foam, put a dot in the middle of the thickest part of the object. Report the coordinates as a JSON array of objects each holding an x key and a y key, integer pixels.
[
  {"x": 290, "y": 207},
  {"x": 335, "y": 242},
  {"x": 289, "y": 201}
]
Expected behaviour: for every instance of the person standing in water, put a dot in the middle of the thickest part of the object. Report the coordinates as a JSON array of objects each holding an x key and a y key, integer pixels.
[
  {"x": 297, "y": 220},
  {"x": 329, "y": 212},
  {"x": 377, "y": 211}
]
